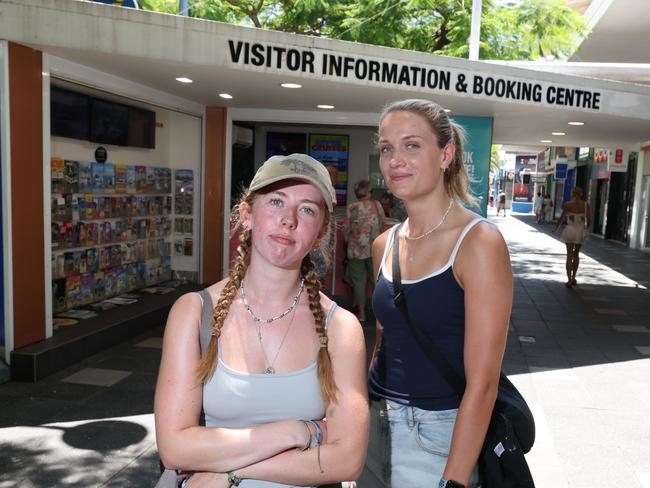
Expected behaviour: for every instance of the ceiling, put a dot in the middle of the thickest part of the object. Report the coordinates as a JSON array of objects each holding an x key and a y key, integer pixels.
[{"x": 515, "y": 124}]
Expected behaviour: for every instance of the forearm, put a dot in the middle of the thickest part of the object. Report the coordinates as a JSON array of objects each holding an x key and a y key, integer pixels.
[
  {"x": 469, "y": 433},
  {"x": 338, "y": 462},
  {"x": 223, "y": 449}
]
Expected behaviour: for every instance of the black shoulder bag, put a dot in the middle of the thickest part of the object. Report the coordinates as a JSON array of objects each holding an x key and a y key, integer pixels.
[{"x": 511, "y": 432}]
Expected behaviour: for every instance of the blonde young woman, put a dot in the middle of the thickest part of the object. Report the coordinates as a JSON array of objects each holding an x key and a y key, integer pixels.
[
  {"x": 271, "y": 359},
  {"x": 457, "y": 284},
  {"x": 578, "y": 219}
]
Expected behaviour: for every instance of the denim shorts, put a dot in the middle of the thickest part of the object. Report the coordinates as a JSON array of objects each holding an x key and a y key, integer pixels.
[{"x": 408, "y": 446}]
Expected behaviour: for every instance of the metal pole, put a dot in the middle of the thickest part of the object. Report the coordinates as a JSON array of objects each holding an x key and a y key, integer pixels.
[
  {"x": 475, "y": 33},
  {"x": 182, "y": 7}
]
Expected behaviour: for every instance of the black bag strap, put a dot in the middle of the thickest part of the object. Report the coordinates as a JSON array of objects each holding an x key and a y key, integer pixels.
[{"x": 429, "y": 348}]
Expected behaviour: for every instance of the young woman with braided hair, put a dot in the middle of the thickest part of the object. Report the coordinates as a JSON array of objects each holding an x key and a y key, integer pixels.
[
  {"x": 272, "y": 359},
  {"x": 457, "y": 285}
]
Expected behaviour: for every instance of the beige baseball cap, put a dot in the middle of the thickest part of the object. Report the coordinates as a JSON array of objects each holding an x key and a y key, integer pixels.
[{"x": 295, "y": 166}]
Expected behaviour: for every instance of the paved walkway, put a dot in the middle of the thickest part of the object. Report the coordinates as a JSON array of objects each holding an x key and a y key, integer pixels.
[{"x": 581, "y": 357}]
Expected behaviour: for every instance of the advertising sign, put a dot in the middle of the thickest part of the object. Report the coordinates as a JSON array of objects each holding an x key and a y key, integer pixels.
[
  {"x": 120, "y": 3},
  {"x": 476, "y": 156},
  {"x": 561, "y": 171},
  {"x": 333, "y": 150},
  {"x": 617, "y": 161}
]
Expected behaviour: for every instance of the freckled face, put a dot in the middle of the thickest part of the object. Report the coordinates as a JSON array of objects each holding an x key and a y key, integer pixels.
[
  {"x": 285, "y": 222},
  {"x": 410, "y": 159}
]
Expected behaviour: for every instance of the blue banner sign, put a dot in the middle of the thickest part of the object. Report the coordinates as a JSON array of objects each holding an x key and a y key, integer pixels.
[
  {"x": 476, "y": 156},
  {"x": 561, "y": 171}
]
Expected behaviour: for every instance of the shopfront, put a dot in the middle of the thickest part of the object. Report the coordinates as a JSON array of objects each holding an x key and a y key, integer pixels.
[{"x": 115, "y": 216}]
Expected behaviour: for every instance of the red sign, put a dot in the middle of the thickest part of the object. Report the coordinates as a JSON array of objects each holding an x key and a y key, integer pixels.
[{"x": 618, "y": 156}]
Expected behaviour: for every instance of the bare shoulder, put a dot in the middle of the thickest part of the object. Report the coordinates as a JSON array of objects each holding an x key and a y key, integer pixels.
[
  {"x": 483, "y": 241},
  {"x": 344, "y": 330},
  {"x": 215, "y": 290},
  {"x": 379, "y": 243}
]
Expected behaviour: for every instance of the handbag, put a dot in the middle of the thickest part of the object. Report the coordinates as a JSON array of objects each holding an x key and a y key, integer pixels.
[{"x": 511, "y": 432}]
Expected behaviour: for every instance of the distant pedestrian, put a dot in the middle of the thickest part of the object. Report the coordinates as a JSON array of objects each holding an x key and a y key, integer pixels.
[
  {"x": 501, "y": 203},
  {"x": 363, "y": 223},
  {"x": 537, "y": 207},
  {"x": 576, "y": 213},
  {"x": 548, "y": 208}
]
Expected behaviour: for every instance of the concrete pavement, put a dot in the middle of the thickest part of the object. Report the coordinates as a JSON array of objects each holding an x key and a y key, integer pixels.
[{"x": 581, "y": 357}]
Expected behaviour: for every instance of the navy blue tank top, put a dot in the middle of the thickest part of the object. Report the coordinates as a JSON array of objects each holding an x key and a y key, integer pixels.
[{"x": 436, "y": 303}]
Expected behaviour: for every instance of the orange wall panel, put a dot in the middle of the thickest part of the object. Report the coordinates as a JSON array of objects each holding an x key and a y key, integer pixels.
[
  {"x": 26, "y": 123},
  {"x": 213, "y": 207}
]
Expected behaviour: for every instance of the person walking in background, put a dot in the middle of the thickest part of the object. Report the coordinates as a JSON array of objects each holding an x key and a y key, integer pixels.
[
  {"x": 547, "y": 204},
  {"x": 364, "y": 222},
  {"x": 578, "y": 219},
  {"x": 537, "y": 207},
  {"x": 457, "y": 284},
  {"x": 501, "y": 203},
  {"x": 393, "y": 209},
  {"x": 272, "y": 359}
]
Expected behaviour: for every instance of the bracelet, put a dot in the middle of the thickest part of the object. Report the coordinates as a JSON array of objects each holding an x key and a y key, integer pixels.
[
  {"x": 319, "y": 433},
  {"x": 309, "y": 439},
  {"x": 233, "y": 478}
]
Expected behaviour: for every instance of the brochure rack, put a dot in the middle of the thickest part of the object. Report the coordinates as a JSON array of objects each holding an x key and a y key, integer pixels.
[{"x": 111, "y": 230}]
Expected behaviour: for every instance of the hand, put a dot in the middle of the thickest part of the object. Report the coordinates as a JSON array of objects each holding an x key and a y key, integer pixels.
[{"x": 208, "y": 480}]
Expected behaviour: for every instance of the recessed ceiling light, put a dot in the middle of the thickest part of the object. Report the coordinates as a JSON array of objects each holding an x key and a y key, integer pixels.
[
  {"x": 290, "y": 85},
  {"x": 546, "y": 141},
  {"x": 559, "y": 133},
  {"x": 325, "y": 106},
  {"x": 225, "y": 95},
  {"x": 44, "y": 73},
  {"x": 183, "y": 79},
  {"x": 576, "y": 123},
  {"x": 447, "y": 110}
]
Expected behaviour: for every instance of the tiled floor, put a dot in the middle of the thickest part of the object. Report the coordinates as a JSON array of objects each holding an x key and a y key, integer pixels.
[{"x": 580, "y": 356}]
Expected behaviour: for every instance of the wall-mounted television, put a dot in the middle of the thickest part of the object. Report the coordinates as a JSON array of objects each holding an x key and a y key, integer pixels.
[
  {"x": 109, "y": 122},
  {"x": 80, "y": 116},
  {"x": 69, "y": 113},
  {"x": 142, "y": 128}
]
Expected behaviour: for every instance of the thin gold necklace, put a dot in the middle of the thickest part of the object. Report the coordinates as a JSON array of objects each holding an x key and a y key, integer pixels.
[{"x": 432, "y": 229}]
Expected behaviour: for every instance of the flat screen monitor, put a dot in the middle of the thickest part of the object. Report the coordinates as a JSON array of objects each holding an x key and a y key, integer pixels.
[
  {"x": 69, "y": 112},
  {"x": 109, "y": 122},
  {"x": 142, "y": 128}
]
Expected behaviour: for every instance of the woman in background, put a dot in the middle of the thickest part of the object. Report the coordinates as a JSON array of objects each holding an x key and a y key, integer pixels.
[
  {"x": 364, "y": 222},
  {"x": 578, "y": 219}
]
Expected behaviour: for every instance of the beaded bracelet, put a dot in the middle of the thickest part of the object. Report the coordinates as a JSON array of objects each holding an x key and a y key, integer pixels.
[
  {"x": 233, "y": 478},
  {"x": 309, "y": 439},
  {"x": 319, "y": 433},
  {"x": 319, "y": 441}
]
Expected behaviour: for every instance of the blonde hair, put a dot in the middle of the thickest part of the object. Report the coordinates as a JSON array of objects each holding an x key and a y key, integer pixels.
[
  {"x": 456, "y": 179},
  {"x": 208, "y": 362}
]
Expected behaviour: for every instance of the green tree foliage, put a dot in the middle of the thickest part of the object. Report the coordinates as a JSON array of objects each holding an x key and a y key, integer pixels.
[{"x": 517, "y": 30}]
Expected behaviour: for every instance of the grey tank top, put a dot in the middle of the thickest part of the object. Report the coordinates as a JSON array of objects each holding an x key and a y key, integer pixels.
[{"x": 237, "y": 399}]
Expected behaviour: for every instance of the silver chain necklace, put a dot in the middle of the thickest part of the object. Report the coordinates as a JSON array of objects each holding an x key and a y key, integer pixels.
[
  {"x": 259, "y": 320},
  {"x": 442, "y": 221},
  {"x": 269, "y": 367}
]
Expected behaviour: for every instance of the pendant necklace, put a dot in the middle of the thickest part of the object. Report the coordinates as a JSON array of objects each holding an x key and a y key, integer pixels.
[
  {"x": 432, "y": 229},
  {"x": 269, "y": 369},
  {"x": 259, "y": 320}
]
